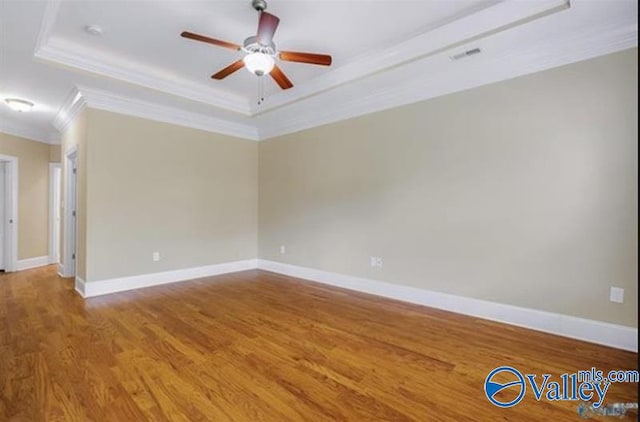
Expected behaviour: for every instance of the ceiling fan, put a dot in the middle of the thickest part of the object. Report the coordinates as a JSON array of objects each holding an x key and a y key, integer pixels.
[{"x": 261, "y": 51}]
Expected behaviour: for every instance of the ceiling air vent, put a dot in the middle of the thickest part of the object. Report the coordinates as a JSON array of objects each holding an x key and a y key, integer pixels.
[{"x": 466, "y": 54}]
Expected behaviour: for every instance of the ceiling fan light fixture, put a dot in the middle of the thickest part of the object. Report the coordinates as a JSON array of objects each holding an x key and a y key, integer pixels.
[
  {"x": 18, "y": 104},
  {"x": 259, "y": 63}
]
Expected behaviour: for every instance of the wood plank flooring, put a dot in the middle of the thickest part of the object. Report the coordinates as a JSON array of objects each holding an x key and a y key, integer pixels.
[{"x": 256, "y": 346}]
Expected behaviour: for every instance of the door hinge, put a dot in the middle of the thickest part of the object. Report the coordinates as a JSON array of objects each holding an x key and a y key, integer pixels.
[
  {"x": 73, "y": 213},
  {"x": 73, "y": 256},
  {"x": 75, "y": 171}
]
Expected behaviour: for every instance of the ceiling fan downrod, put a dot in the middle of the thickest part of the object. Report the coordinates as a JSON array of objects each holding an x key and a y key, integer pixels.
[{"x": 259, "y": 5}]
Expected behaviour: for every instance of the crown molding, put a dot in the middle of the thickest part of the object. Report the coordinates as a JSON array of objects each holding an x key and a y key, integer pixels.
[
  {"x": 473, "y": 27},
  {"x": 22, "y": 130},
  {"x": 82, "y": 96},
  {"x": 49, "y": 49},
  {"x": 71, "y": 107},
  {"x": 390, "y": 78},
  {"x": 48, "y": 19},
  {"x": 487, "y": 21},
  {"x": 588, "y": 44},
  {"x": 77, "y": 58},
  {"x": 104, "y": 100}
]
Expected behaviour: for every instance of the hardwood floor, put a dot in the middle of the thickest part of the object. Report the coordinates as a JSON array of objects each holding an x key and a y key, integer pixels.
[{"x": 256, "y": 346}]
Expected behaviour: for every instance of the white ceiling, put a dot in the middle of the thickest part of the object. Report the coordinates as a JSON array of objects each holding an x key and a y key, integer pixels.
[{"x": 386, "y": 53}]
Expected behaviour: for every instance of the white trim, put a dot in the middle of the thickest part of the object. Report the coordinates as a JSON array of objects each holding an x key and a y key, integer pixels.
[
  {"x": 54, "y": 244},
  {"x": 70, "y": 55},
  {"x": 48, "y": 19},
  {"x": 103, "y": 287},
  {"x": 68, "y": 180},
  {"x": 489, "y": 21},
  {"x": 389, "y": 77},
  {"x": 29, "y": 263},
  {"x": 70, "y": 108},
  {"x": 598, "y": 332},
  {"x": 10, "y": 247},
  {"x": 501, "y": 16},
  {"x": 79, "y": 286},
  {"x": 22, "y": 130},
  {"x": 61, "y": 270},
  {"x": 109, "y": 101},
  {"x": 83, "y": 96},
  {"x": 604, "y": 333},
  {"x": 63, "y": 53},
  {"x": 409, "y": 88}
]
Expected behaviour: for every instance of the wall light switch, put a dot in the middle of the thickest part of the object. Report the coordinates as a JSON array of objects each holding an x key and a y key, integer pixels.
[
  {"x": 283, "y": 250},
  {"x": 156, "y": 256},
  {"x": 616, "y": 295}
]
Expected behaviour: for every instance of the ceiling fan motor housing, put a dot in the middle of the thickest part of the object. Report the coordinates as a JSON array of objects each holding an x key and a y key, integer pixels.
[{"x": 251, "y": 45}]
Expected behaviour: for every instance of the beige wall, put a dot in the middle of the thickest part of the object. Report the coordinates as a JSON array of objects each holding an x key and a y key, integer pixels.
[
  {"x": 188, "y": 194},
  {"x": 76, "y": 137},
  {"x": 33, "y": 194},
  {"x": 522, "y": 192},
  {"x": 54, "y": 153}
]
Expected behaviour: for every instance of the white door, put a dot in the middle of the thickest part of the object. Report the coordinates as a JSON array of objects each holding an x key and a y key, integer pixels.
[{"x": 3, "y": 213}]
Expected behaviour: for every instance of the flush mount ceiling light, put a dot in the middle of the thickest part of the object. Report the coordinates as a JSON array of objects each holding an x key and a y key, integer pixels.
[{"x": 18, "y": 104}]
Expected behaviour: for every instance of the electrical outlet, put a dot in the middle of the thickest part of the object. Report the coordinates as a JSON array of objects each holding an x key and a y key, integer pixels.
[
  {"x": 375, "y": 261},
  {"x": 156, "y": 256},
  {"x": 616, "y": 295},
  {"x": 283, "y": 250}
]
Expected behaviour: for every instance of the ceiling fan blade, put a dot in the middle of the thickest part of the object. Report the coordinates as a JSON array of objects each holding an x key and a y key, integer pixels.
[
  {"x": 209, "y": 40},
  {"x": 310, "y": 58},
  {"x": 280, "y": 78},
  {"x": 228, "y": 70},
  {"x": 267, "y": 27}
]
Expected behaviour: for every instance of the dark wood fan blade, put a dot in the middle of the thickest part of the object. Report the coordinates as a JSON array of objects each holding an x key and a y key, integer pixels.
[
  {"x": 209, "y": 40},
  {"x": 280, "y": 78},
  {"x": 228, "y": 70},
  {"x": 310, "y": 58},
  {"x": 267, "y": 27}
]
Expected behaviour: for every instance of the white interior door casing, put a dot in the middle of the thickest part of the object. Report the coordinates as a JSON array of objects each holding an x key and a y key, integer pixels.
[
  {"x": 9, "y": 213},
  {"x": 55, "y": 175},
  {"x": 2, "y": 214},
  {"x": 70, "y": 214}
]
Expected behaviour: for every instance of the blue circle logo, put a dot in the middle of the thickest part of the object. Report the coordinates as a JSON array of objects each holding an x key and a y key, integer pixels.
[{"x": 491, "y": 388}]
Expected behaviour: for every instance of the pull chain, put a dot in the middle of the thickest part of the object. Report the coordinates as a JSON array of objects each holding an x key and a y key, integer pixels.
[{"x": 260, "y": 90}]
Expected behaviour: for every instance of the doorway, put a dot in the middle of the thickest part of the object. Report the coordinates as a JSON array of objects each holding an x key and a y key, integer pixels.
[
  {"x": 55, "y": 177},
  {"x": 70, "y": 221},
  {"x": 8, "y": 213}
]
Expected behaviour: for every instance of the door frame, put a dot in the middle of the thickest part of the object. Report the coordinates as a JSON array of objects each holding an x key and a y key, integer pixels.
[
  {"x": 10, "y": 222},
  {"x": 54, "y": 192},
  {"x": 68, "y": 266}
]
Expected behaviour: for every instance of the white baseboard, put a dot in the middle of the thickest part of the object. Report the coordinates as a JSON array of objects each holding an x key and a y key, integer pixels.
[
  {"x": 604, "y": 333},
  {"x": 27, "y": 264},
  {"x": 79, "y": 286},
  {"x": 103, "y": 287}
]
